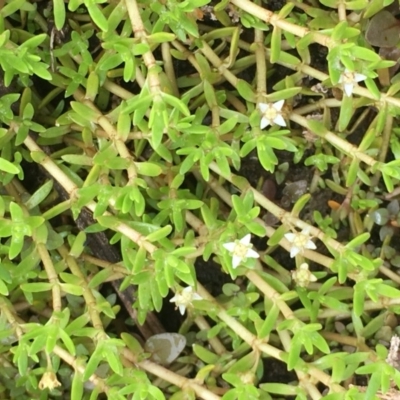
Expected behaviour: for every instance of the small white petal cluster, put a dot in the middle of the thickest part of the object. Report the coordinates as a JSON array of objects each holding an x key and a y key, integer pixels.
[
  {"x": 49, "y": 381},
  {"x": 185, "y": 298},
  {"x": 300, "y": 241},
  {"x": 349, "y": 79},
  {"x": 240, "y": 250},
  {"x": 303, "y": 276},
  {"x": 271, "y": 114}
]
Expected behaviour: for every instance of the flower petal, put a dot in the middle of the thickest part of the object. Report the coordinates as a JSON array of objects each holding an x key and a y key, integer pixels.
[
  {"x": 294, "y": 251},
  {"x": 263, "y": 107},
  {"x": 359, "y": 77},
  {"x": 236, "y": 261},
  {"x": 264, "y": 122},
  {"x": 196, "y": 296},
  {"x": 278, "y": 105},
  {"x": 182, "y": 309},
  {"x": 252, "y": 254},
  {"x": 290, "y": 236},
  {"x": 310, "y": 245},
  {"x": 279, "y": 120},
  {"x": 229, "y": 246},
  {"x": 348, "y": 89},
  {"x": 246, "y": 239},
  {"x": 313, "y": 278}
]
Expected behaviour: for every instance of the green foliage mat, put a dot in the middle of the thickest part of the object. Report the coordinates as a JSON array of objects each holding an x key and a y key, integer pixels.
[{"x": 225, "y": 171}]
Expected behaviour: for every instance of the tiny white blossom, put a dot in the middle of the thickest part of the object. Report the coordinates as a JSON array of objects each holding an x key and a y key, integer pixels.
[
  {"x": 348, "y": 79},
  {"x": 300, "y": 241},
  {"x": 240, "y": 250},
  {"x": 49, "y": 381},
  {"x": 185, "y": 298},
  {"x": 303, "y": 276},
  {"x": 272, "y": 114}
]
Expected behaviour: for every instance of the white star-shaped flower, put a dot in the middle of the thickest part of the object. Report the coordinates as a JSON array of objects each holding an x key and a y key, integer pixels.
[
  {"x": 271, "y": 114},
  {"x": 303, "y": 276},
  {"x": 185, "y": 298},
  {"x": 300, "y": 241},
  {"x": 49, "y": 381},
  {"x": 240, "y": 250},
  {"x": 349, "y": 79}
]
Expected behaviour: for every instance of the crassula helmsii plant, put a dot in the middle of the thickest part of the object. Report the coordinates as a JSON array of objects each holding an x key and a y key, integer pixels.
[{"x": 143, "y": 146}]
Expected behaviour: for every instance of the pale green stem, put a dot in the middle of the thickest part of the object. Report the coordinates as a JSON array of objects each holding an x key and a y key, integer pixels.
[
  {"x": 113, "y": 135},
  {"x": 336, "y": 141},
  {"x": 218, "y": 64},
  {"x": 117, "y": 268},
  {"x": 237, "y": 327},
  {"x": 80, "y": 367},
  {"x": 140, "y": 78},
  {"x": 10, "y": 314},
  {"x": 347, "y": 341},
  {"x": 188, "y": 55},
  {"x": 261, "y": 77},
  {"x": 237, "y": 104},
  {"x": 51, "y": 275},
  {"x": 275, "y": 20},
  {"x": 196, "y": 223},
  {"x": 117, "y": 90},
  {"x": 139, "y": 32},
  {"x": 87, "y": 292},
  {"x": 321, "y": 76},
  {"x": 52, "y": 168},
  {"x": 15, "y": 189},
  {"x": 259, "y": 344},
  {"x": 100, "y": 133},
  {"x": 317, "y": 106},
  {"x": 309, "y": 386},
  {"x": 280, "y": 213},
  {"x": 390, "y": 274},
  {"x": 304, "y": 379},
  {"x": 214, "y": 342},
  {"x": 384, "y": 146},
  {"x": 342, "y": 11},
  {"x": 169, "y": 67},
  {"x": 270, "y": 293},
  {"x": 369, "y": 305},
  {"x": 360, "y": 120},
  {"x": 284, "y": 216},
  {"x": 171, "y": 377}
]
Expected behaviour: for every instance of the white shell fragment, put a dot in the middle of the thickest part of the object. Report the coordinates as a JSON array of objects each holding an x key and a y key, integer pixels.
[{"x": 165, "y": 347}]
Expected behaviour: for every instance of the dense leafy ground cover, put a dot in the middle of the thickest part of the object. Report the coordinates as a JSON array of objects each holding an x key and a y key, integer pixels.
[{"x": 199, "y": 199}]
